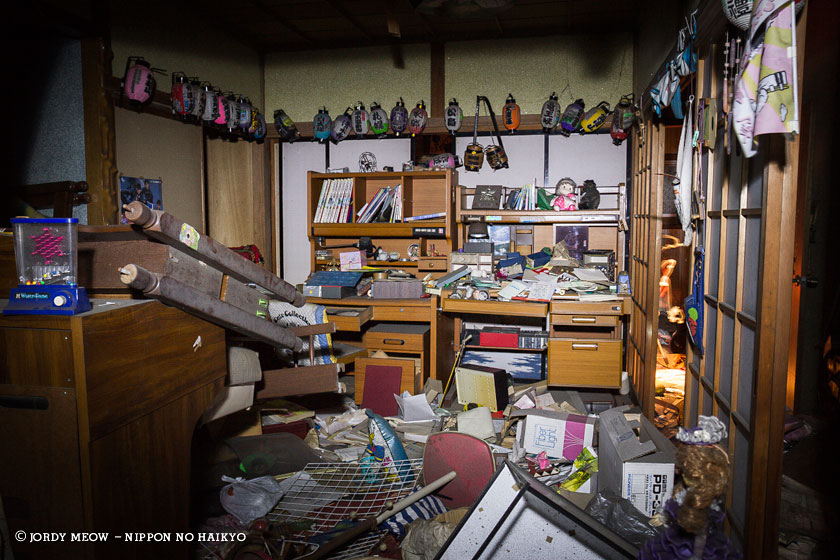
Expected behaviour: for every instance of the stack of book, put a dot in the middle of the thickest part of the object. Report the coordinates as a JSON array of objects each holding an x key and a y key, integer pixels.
[
  {"x": 384, "y": 206},
  {"x": 523, "y": 199},
  {"x": 335, "y": 205}
]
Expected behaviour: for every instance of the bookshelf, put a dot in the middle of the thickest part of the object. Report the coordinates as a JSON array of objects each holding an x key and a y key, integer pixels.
[
  {"x": 420, "y": 193},
  {"x": 606, "y": 226}
]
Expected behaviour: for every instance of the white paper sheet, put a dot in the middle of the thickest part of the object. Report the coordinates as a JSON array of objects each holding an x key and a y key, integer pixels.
[
  {"x": 591, "y": 275},
  {"x": 414, "y": 407}
]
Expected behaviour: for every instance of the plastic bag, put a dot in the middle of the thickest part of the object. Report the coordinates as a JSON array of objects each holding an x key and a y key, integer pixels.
[
  {"x": 250, "y": 499},
  {"x": 621, "y": 517}
]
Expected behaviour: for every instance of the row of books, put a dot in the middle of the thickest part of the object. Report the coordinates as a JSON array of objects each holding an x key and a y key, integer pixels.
[
  {"x": 385, "y": 206},
  {"x": 524, "y": 199},
  {"x": 335, "y": 204}
]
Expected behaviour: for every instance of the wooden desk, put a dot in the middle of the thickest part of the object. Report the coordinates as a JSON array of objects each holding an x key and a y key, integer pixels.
[
  {"x": 97, "y": 413},
  {"x": 585, "y": 338}
]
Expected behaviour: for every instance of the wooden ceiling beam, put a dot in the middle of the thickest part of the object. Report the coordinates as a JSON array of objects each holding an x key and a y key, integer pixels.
[
  {"x": 351, "y": 18},
  {"x": 268, "y": 10}
]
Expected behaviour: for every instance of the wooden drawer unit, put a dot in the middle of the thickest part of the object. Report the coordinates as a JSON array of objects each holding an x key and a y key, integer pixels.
[
  {"x": 433, "y": 264},
  {"x": 349, "y": 318},
  {"x": 580, "y": 362},
  {"x": 410, "y": 313},
  {"x": 398, "y": 338},
  {"x": 411, "y": 380}
]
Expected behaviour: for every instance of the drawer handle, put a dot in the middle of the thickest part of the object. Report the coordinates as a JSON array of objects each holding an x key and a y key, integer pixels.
[
  {"x": 583, "y": 319},
  {"x": 24, "y": 402},
  {"x": 584, "y": 346},
  {"x": 396, "y": 341},
  {"x": 431, "y": 264}
]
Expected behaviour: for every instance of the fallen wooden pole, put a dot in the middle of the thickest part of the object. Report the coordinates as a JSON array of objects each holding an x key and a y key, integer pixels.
[
  {"x": 209, "y": 308},
  {"x": 172, "y": 231}
]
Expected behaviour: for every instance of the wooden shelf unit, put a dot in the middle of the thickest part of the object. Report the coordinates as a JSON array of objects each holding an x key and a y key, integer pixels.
[
  {"x": 607, "y": 225},
  {"x": 423, "y": 193}
]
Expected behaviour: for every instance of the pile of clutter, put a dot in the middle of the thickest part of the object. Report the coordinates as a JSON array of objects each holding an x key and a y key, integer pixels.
[{"x": 425, "y": 476}]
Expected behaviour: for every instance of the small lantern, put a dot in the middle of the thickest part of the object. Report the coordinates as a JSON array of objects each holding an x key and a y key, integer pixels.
[
  {"x": 198, "y": 96},
  {"x": 285, "y": 126},
  {"x": 453, "y": 116},
  {"x": 138, "y": 82},
  {"x": 245, "y": 112},
  {"x": 378, "y": 120},
  {"x": 233, "y": 112},
  {"x": 341, "y": 126},
  {"x": 321, "y": 124},
  {"x": 511, "y": 114},
  {"x": 550, "y": 113},
  {"x": 223, "y": 109},
  {"x": 261, "y": 128},
  {"x": 399, "y": 118},
  {"x": 181, "y": 96},
  {"x": 417, "y": 119},
  {"x": 623, "y": 118},
  {"x": 595, "y": 117},
  {"x": 570, "y": 121},
  {"x": 211, "y": 107},
  {"x": 360, "y": 120}
]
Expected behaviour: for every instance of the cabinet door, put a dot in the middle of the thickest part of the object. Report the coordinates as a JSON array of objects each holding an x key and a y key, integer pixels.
[{"x": 584, "y": 362}]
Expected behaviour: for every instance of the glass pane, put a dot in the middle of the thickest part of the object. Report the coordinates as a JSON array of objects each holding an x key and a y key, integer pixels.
[
  {"x": 749, "y": 289},
  {"x": 707, "y": 403},
  {"x": 717, "y": 172},
  {"x": 733, "y": 199},
  {"x": 740, "y": 477},
  {"x": 755, "y": 185},
  {"x": 730, "y": 271},
  {"x": 694, "y": 394},
  {"x": 745, "y": 371},
  {"x": 723, "y": 416},
  {"x": 727, "y": 339},
  {"x": 713, "y": 257},
  {"x": 710, "y": 335}
]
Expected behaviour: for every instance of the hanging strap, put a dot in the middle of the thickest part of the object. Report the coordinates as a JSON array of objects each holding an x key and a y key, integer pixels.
[{"x": 492, "y": 119}]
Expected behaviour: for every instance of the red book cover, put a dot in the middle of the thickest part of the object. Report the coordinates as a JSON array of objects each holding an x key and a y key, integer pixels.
[
  {"x": 504, "y": 339},
  {"x": 381, "y": 384}
]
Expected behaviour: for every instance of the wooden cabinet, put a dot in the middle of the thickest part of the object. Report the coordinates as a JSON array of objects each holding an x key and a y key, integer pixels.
[
  {"x": 97, "y": 413},
  {"x": 421, "y": 193},
  {"x": 585, "y": 344}
]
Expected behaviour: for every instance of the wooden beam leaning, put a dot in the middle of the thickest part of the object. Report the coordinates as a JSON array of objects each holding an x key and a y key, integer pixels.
[
  {"x": 172, "y": 231},
  {"x": 198, "y": 303}
]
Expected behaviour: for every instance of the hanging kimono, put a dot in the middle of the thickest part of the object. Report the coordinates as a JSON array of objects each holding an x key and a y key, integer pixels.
[
  {"x": 685, "y": 175},
  {"x": 765, "y": 94}
]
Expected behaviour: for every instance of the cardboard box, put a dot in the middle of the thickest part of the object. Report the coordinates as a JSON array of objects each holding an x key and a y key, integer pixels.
[
  {"x": 559, "y": 434},
  {"x": 352, "y": 260},
  {"x": 638, "y": 467}
]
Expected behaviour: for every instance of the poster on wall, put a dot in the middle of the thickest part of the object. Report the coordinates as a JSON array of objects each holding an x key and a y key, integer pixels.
[
  {"x": 147, "y": 191},
  {"x": 576, "y": 238}
]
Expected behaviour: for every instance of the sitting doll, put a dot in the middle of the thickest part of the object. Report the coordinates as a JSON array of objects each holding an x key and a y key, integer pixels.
[
  {"x": 694, "y": 515},
  {"x": 564, "y": 195}
]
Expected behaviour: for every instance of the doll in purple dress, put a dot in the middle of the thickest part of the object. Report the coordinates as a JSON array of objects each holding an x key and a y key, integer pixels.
[{"x": 693, "y": 517}]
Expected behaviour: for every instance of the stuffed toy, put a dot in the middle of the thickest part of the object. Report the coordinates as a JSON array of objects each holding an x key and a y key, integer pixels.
[
  {"x": 564, "y": 195},
  {"x": 694, "y": 515},
  {"x": 590, "y": 198}
]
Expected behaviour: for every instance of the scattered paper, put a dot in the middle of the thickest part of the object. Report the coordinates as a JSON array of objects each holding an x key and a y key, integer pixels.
[
  {"x": 414, "y": 408},
  {"x": 591, "y": 275},
  {"x": 542, "y": 291},
  {"x": 512, "y": 290}
]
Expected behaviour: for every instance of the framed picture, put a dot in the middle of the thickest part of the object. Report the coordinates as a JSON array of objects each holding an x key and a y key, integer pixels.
[
  {"x": 576, "y": 238},
  {"x": 147, "y": 191},
  {"x": 487, "y": 197}
]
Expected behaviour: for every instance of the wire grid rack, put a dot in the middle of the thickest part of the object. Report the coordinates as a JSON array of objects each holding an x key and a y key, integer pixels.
[{"x": 324, "y": 497}]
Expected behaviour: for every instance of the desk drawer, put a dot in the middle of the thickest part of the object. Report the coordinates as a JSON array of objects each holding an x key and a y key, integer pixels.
[
  {"x": 433, "y": 264},
  {"x": 390, "y": 337},
  {"x": 584, "y": 320},
  {"x": 411, "y": 378},
  {"x": 572, "y": 307},
  {"x": 584, "y": 362},
  {"x": 349, "y": 318},
  {"x": 417, "y": 314}
]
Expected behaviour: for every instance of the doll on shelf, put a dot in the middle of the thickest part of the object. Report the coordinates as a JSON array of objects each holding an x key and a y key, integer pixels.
[
  {"x": 693, "y": 517},
  {"x": 564, "y": 195}
]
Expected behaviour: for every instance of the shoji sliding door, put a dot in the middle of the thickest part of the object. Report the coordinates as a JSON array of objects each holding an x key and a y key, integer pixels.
[
  {"x": 740, "y": 375},
  {"x": 645, "y": 247}
]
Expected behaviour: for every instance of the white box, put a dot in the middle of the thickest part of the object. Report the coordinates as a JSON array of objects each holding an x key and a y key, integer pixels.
[
  {"x": 559, "y": 434},
  {"x": 352, "y": 260},
  {"x": 638, "y": 467}
]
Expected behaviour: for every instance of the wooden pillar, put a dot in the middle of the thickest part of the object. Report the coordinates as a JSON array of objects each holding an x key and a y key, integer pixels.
[
  {"x": 437, "y": 103},
  {"x": 100, "y": 139}
]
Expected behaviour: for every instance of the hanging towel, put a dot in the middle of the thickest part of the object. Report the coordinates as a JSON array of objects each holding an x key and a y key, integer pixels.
[
  {"x": 765, "y": 93},
  {"x": 685, "y": 175}
]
